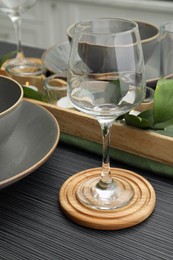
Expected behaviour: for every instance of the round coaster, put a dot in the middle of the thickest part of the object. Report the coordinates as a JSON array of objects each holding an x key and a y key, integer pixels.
[{"x": 139, "y": 208}]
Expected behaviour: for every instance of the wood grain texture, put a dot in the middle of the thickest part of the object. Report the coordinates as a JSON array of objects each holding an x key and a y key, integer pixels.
[
  {"x": 139, "y": 208},
  {"x": 144, "y": 143}
]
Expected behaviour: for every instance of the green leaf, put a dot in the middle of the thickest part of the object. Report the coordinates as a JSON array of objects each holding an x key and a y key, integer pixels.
[
  {"x": 143, "y": 120},
  {"x": 113, "y": 91},
  {"x": 30, "y": 93},
  {"x": 163, "y": 101},
  {"x": 168, "y": 131},
  {"x": 160, "y": 118},
  {"x": 148, "y": 115},
  {"x": 6, "y": 57},
  {"x": 116, "y": 89},
  {"x": 163, "y": 125},
  {"x": 137, "y": 121}
]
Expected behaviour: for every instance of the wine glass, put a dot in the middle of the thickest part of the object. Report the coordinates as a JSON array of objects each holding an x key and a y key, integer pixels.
[
  {"x": 14, "y": 9},
  {"x": 106, "y": 79}
]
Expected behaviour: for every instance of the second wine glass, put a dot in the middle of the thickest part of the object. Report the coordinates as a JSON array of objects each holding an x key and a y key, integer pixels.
[
  {"x": 14, "y": 9},
  {"x": 106, "y": 79}
]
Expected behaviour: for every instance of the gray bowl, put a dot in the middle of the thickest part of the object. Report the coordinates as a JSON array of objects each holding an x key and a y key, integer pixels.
[
  {"x": 11, "y": 97},
  {"x": 149, "y": 34}
]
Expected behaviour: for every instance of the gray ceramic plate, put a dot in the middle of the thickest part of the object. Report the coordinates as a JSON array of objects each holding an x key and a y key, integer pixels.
[
  {"x": 56, "y": 58},
  {"x": 32, "y": 142}
]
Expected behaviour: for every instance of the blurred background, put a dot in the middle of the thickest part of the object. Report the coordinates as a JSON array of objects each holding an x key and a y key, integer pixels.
[{"x": 46, "y": 23}]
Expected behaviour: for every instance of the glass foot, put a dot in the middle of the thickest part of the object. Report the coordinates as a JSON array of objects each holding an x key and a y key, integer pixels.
[{"x": 93, "y": 194}]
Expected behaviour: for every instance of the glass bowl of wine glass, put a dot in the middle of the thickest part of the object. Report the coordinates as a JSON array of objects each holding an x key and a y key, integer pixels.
[{"x": 106, "y": 78}]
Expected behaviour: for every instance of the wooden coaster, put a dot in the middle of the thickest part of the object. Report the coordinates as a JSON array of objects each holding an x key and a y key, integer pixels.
[{"x": 140, "y": 207}]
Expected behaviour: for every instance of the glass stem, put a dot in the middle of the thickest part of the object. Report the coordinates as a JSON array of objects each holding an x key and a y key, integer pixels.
[
  {"x": 106, "y": 179},
  {"x": 17, "y": 26}
]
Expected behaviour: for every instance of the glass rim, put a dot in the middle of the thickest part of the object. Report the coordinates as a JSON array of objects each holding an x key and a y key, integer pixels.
[
  {"x": 136, "y": 27},
  {"x": 47, "y": 86},
  {"x": 11, "y": 69}
]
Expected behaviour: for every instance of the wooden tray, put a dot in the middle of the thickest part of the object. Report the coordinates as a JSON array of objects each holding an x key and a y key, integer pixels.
[{"x": 144, "y": 143}]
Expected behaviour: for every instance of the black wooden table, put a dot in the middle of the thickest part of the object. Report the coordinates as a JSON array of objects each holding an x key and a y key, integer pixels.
[{"x": 32, "y": 226}]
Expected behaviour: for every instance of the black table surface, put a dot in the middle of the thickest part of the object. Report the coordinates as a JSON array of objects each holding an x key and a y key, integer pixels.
[{"x": 32, "y": 226}]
